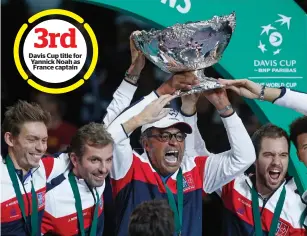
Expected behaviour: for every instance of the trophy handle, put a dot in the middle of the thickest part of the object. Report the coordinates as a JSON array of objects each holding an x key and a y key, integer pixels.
[{"x": 205, "y": 84}]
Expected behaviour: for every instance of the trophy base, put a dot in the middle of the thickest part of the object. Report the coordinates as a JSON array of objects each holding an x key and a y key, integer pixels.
[{"x": 205, "y": 84}]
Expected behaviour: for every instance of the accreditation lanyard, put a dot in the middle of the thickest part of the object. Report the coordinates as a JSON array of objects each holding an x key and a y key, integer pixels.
[
  {"x": 172, "y": 203},
  {"x": 78, "y": 204},
  {"x": 34, "y": 213},
  {"x": 277, "y": 212}
]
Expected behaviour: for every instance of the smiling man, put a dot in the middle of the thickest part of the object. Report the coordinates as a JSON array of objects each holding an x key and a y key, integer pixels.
[
  {"x": 74, "y": 199},
  {"x": 280, "y": 207},
  {"x": 24, "y": 172}
]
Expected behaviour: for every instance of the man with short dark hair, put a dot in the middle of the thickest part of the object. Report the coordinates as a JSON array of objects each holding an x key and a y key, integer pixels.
[
  {"x": 298, "y": 135},
  {"x": 152, "y": 218},
  {"x": 74, "y": 199},
  {"x": 23, "y": 171},
  {"x": 283, "y": 97},
  {"x": 280, "y": 207}
]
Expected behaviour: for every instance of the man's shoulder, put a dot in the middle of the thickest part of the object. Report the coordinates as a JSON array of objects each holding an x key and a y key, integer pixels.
[
  {"x": 57, "y": 184},
  {"x": 293, "y": 193},
  {"x": 195, "y": 159},
  {"x": 193, "y": 163},
  {"x": 241, "y": 184},
  {"x": 290, "y": 184}
]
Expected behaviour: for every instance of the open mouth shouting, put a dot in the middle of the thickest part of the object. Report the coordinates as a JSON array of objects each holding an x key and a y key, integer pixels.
[
  {"x": 274, "y": 174},
  {"x": 171, "y": 157}
]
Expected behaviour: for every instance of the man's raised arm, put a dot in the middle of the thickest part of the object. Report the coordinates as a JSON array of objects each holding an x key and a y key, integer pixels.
[
  {"x": 126, "y": 123},
  {"x": 221, "y": 168},
  {"x": 123, "y": 95},
  {"x": 280, "y": 96}
]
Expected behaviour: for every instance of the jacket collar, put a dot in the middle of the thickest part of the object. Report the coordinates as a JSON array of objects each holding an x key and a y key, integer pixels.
[{"x": 251, "y": 181}]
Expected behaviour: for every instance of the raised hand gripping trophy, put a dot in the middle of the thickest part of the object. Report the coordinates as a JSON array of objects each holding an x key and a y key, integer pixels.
[{"x": 191, "y": 46}]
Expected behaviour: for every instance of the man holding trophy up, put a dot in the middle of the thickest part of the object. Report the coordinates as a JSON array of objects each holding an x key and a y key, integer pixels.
[{"x": 170, "y": 167}]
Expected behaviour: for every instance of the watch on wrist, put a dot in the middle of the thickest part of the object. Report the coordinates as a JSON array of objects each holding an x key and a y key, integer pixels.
[
  {"x": 261, "y": 95},
  {"x": 133, "y": 78},
  {"x": 222, "y": 111}
]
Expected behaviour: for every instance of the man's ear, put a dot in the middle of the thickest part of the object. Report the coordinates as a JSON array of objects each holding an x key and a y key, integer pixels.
[
  {"x": 146, "y": 144},
  {"x": 74, "y": 159},
  {"x": 255, "y": 165},
  {"x": 9, "y": 139}
]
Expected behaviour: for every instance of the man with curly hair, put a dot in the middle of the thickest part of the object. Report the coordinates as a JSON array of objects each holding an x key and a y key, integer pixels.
[{"x": 298, "y": 135}]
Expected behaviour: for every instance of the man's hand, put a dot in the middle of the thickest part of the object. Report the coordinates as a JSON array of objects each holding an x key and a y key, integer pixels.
[
  {"x": 155, "y": 110},
  {"x": 151, "y": 113},
  {"x": 219, "y": 99},
  {"x": 137, "y": 59},
  {"x": 250, "y": 89},
  {"x": 243, "y": 87},
  {"x": 189, "y": 102},
  {"x": 180, "y": 81}
]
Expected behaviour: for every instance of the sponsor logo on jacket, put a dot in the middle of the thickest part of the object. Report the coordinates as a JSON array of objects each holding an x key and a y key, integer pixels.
[{"x": 188, "y": 182}]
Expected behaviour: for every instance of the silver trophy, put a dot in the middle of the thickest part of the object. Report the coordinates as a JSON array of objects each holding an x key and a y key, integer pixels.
[{"x": 192, "y": 46}]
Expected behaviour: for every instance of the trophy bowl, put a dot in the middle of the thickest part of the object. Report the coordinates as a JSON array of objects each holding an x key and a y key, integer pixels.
[{"x": 192, "y": 46}]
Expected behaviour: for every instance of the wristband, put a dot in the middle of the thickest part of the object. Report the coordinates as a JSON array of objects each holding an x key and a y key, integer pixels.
[
  {"x": 133, "y": 78},
  {"x": 261, "y": 95},
  {"x": 221, "y": 112}
]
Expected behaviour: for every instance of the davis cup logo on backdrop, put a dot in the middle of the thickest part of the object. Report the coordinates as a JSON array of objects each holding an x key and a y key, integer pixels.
[
  {"x": 274, "y": 38},
  {"x": 55, "y": 51},
  {"x": 274, "y": 67}
]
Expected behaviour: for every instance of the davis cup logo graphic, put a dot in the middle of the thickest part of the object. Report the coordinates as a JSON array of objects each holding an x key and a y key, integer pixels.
[
  {"x": 273, "y": 43},
  {"x": 55, "y": 51}
]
